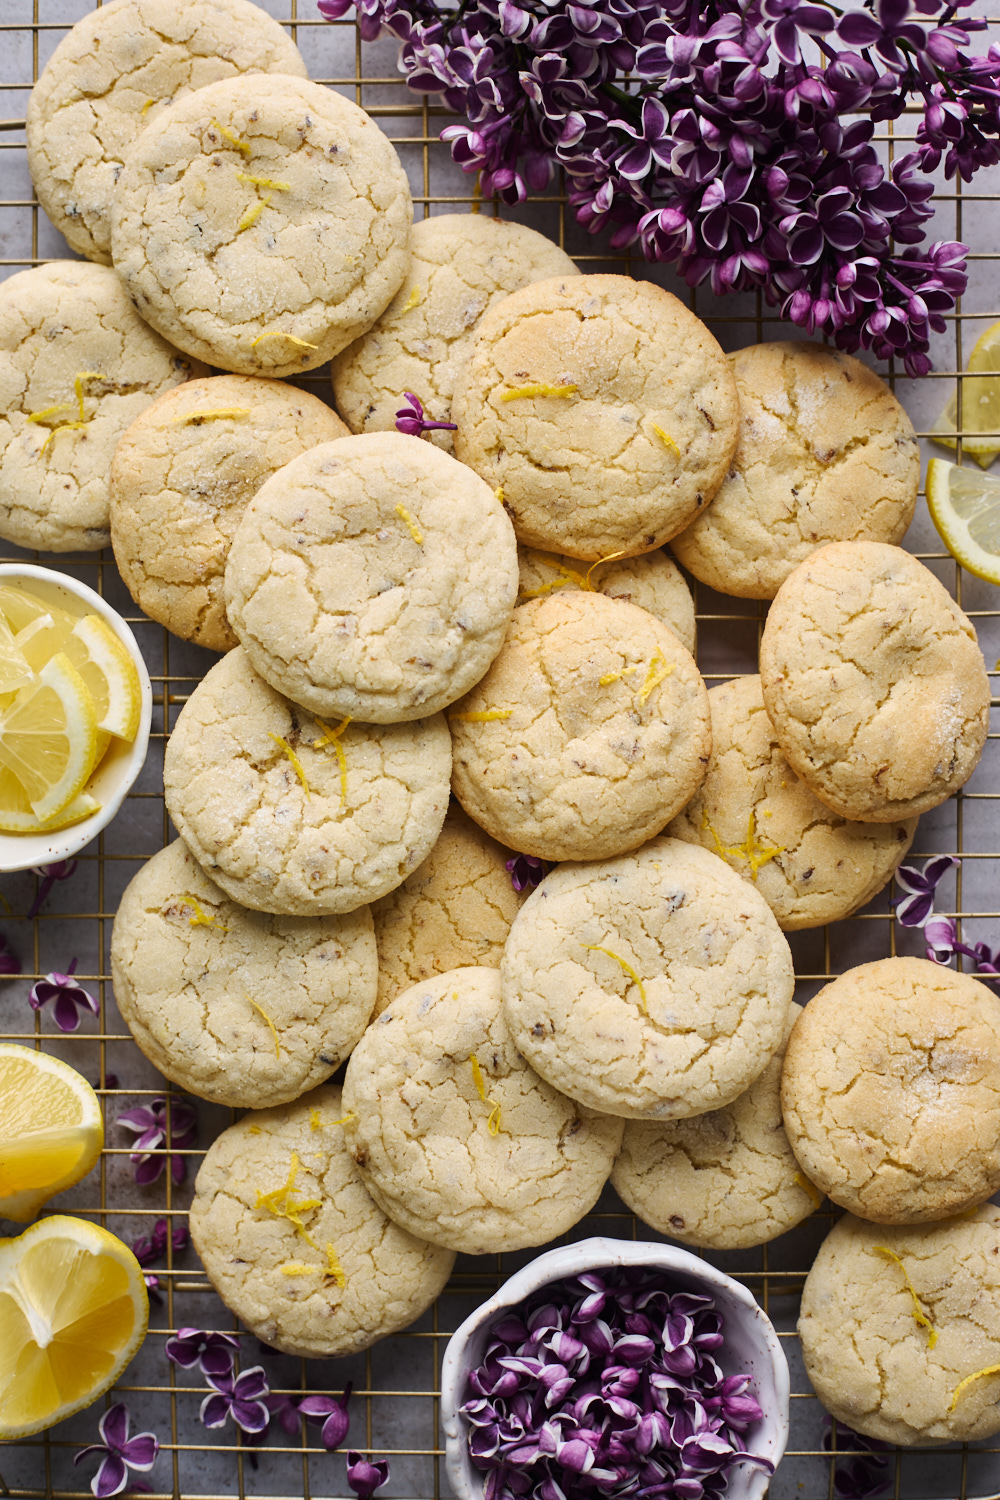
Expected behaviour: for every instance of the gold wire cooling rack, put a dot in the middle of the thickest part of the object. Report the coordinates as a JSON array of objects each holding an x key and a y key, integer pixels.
[{"x": 396, "y": 1385}]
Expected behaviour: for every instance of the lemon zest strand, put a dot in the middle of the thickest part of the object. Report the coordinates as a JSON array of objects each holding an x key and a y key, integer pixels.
[
  {"x": 298, "y": 1268},
  {"x": 976, "y": 1375},
  {"x": 658, "y": 672},
  {"x": 918, "y": 1310},
  {"x": 332, "y": 737},
  {"x": 244, "y": 147},
  {"x": 148, "y": 105},
  {"x": 414, "y": 300},
  {"x": 596, "y": 948},
  {"x": 63, "y": 427},
  {"x": 610, "y": 558},
  {"x": 411, "y": 524},
  {"x": 213, "y": 414},
  {"x": 521, "y": 391},
  {"x": 666, "y": 439},
  {"x": 254, "y": 1129},
  {"x": 50, "y": 411},
  {"x": 264, "y": 182},
  {"x": 279, "y": 333},
  {"x": 78, "y": 385},
  {"x": 751, "y": 850},
  {"x": 286, "y": 749},
  {"x": 334, "y": 1267},
  {"x": 253, "y": 213},
  {"x": 493, "y": 1122},
  {"x": 345, "y": 1119},
  {"x": 201, "y": 917},
  {"x": 499, "y": 493},
  {"x": 483, "y": 716},
  {"x": 809, "y": 1188},
  {"x": 315, "y": 1120},
  {"x": 282, "y": 1205},
  {"x": 615, "y": 676},
  {"x": 274, "y": 1030}
]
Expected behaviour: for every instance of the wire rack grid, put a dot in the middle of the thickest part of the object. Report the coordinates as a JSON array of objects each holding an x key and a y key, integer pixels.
[{"x": 396, "y": 1384}]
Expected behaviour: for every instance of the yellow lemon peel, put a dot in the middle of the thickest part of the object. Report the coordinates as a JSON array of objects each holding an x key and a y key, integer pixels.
[
  {"x": 597, "y": 948},
  {"x": 666, "y": 439},
  {"x": 751, "y": 851},
  {"x": 279, "y": 333},
  {"x": 50, "y": 411},
  {"x": 610, "y": 677},
  {"x": 243, "y": 147},
  {"x": 148, "y": 105},
  {"x": 254, "y": 1129},
  {"x": 483, "y": 716},
  {"x": 499, "y": 493},
  {"x": 264, "y": 182},
  {"x": 414, "y": 300},
  {"x": 80, "y": 382},
  {"x": 282, "y": 1205},
  {"x": 63, "y": 427},
  {"x": 345, "y": 1119},
  {"x": 253, "y": 213},
  {"x": 918, "y": 1310},
  {"x": 298, "y": 1268},
  {"x": 976, "y": 1375},
  {"x": 315, "y": 1122},
  {"x": 521, "y": 392},
  {"x": 333, "y": 1266},
  {"x": 493, "y": 1123},
  {"x": 809, "y": 1188},
  {"x": 658, "y": 672},
  {"x": 297, "y": 767},
  {"x": 213, "y": 414},
  {"x": 599, "y": 563},
  {"x": 274, "y": 1030},
  {"x": 411, "y": 524},
  {"x": 201, "y": 917},
  {"x": 332, "y": 737}
]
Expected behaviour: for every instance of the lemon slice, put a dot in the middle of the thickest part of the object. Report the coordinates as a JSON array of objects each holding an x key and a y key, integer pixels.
[
  {"x": 965, "y": 508},
  {"x": 109, "y": 673},
  {"x": 20, "y": 608},
  {"x": 14, "y": 669},
  {"x": 48, "y": 738},
  {"x": 51, "y": 1131},
  {"x": 980, "y": 403},
  {"x": 73, "y": 1312},
  {"x": 15, "y": 809}
]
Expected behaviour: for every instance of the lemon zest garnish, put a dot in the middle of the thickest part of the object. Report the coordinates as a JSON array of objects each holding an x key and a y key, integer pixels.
[
  {"x": 568, "y": 576},
  {"x": 63, "y": 427},
  {"x": 976, "y": 1375},
  {"x": 918, "y": 1311},
  {"x": 279, "y": 333},
  {"x": 334, "y": 1267},
  {"x": 345, "y": 1119},
  {"x": 281, "y": 1203},
  {"x": 50, "y": 411},
  {"x": 499, "y": 493},
  {"x": 521, "y": 391},
  {"x": 200, "y": 918},
  {"x": 79, "y": 383},
  {"x": 666, "y": 439},
  {"x": 298, "y": 1268},
  {"x": 658, "y": 672},
  {"x": 493, "y": 1123},
  {"x": 809, "y": 1188},
  {"x": 264, "y": 182},
  {"x": 253, "y": 213},
  {"x": 315, "y": 1122},
  {"x": 332, "y": 737},
  {"x": 148, "y": 105},
  {"x": 286, "y": 749},
  {"x": 411, "y": 524},
  {"x": 753, "y": 852},
  {"x": 274, "y": 1030},
  {"x": 254, "y": 1129},
  {"x": 243, "y": 147},
  {"x": 615, "y": 676},
  {"x": 414, "y": 300},
  {"x": 214, "y": 414},
  {"x": 610, "y": 558},
  {"x": 596, "y": 948},
  {"x": 483, "y": 716}
]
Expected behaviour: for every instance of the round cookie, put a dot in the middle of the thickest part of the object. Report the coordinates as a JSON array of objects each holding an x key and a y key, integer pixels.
[
  {"x": 77, "y": 366},
  {"x": 372, "y": 578},
  {"x": 874, "y": 682},
  {"x": 262, "y": 224},
  {"x": 589, "y": 731},
  {"x": 810, "y": 865},
  {"x": 456, "y": 1137},
  {"x": 870, "y": 1360},
  {"x": 293, "y": 816},
  {"x": 181, "y": 478},
  {"x": 454, "y": 911},
  {"x": 586, "y": 471},
  {"x": 462, "y": 264},
  {"x": 233, "y": 1005},
  {"x": 115, "y": 73},
  {"x": 654, "y": 986},
  {"x": 653, "y": 581},
  {"x": 344, "y": 1280},
  {"x": 724, "y": 1180},
  {"x": 825, "y": 454},
  {"x": 891, "y": 1091}
]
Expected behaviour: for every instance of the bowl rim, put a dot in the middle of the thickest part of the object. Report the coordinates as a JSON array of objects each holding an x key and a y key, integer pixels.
[
  {"x": 65, "y": 842},
  {"x": 585, "y": 1255}
]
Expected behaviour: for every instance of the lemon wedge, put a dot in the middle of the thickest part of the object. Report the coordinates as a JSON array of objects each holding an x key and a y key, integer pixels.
[
  {"x": 16, "y": 815},
  {"x": 100, "y": 658},
  {"x": 980, "y": 403},
  {"x": 14, "y": 669},
  {"x": 965, "y": 508},
  {"x": 51, "y": 1131},
  {"x": 48, "y": 738},
  {"x": 19, "y": 607},
  {"x": 73, "y": 1313}
]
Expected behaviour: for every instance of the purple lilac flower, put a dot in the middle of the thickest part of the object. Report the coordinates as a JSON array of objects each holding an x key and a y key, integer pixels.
[
  {"x": 608, "y": 1382},
  {"x": 865, "y": 1473},
  {"x": 240, "y": 1397},
  {"x": 914, "y": 909},
  {"x": 48, "y": 875},
  {"x": 213, "y": 1353},
  {"x": 332, "y": 1413},
  {"x": 363, "y": 1476},
  {"x": 282, "y": 1409},
  {"x": 410, "y": 419},
  {"x": 149, "y": 1123},
  {"x": 9, "y": 962},
  {"x": 149, "y": 1248},
  {"x": 119, "y": 1453},
  {"x": 526, "y": 870},
  {"x": 69, "y": 995}
]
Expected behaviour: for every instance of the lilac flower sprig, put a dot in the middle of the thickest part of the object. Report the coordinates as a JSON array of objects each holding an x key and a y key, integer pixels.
[
  {"x": 149, "y": 1248},
  {"x": 119, "y": 1453},
  {"x": 606, "y": 1384},
  {"x": 213, "y": 1353},
  {"x": 726, "y": 137},
  {"x": 241, "y": 1397},
  {"x": 68, "y": 995},
  {"x": 63, "y": 869},
  {"x": 149, "y": 1124},
  {"x": 411, "y": 421},
  {"x": 865, "y": 1473}
]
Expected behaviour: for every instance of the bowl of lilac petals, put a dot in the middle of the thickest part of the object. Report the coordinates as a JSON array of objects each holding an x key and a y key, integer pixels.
[{"x": 612, "y": 1368}]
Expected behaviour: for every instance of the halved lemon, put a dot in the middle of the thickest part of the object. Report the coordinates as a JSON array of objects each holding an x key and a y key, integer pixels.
[
  {"x": 100, "y": 658},
  {"x": 73, "y": 1313},
  {"x": 51, "y": 1131},
  {"x": 980, "y": 403},
  {"x": 965, "y": 508},
  {"x": 48, "y": 738}
]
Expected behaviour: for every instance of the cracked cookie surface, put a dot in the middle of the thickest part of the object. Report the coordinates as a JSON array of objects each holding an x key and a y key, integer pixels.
[
  {"x": 462, "y": 265},
  {"x": 826, "y": 453},
  {"x": 867, "y": 1356},
  {"x": 348, "y": 1276},
  {"x": 654, "y": 582},
  {"x": 653, "y": 986},
  {"x": 874, "y": 682},
  {"x": 262, "y": 224},
  {"x": 287, "y": 814},
  {"x": 77, "y": 366},
  {"x": 237, "y": 1006},
  {"x": 372, "y": 577},
  {"x": 585, "y": 472},
  {"x": 476, "y": 1161},
  {"x": 181, "y": 478},
  {"x": 453, "y": 912},
  {"x": 114, "y": 73},
  {"x": 891, "y": 1091},
  {"x": 589, "y": 731},
  {"x": 724, "y": 1180},
  {"x": 810, "y": 865}
]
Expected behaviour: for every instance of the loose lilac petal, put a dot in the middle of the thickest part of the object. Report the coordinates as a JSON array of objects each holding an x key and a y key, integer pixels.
[
  {"x": 114, "y": 1425},
  {"x": 214, "y": 1410},
  {"x": 111, "y": 1478}
]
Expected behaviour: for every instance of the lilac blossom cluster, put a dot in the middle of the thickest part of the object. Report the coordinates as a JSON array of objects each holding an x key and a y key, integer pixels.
[
  {"x": 606, "y": 1385},
  {"x": 731, "y": 137}
]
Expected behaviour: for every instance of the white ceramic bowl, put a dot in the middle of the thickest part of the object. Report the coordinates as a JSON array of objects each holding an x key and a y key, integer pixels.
[
  {"x": 122, "y": 763},
  {"x": 751, "y": 1346}
]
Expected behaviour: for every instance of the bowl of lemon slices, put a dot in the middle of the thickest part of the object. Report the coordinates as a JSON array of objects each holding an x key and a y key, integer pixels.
[{"x": 75, "y": 710}]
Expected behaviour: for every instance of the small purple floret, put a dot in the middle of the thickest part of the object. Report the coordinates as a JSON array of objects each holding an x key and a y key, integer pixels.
[
  {"x": 364, "y": 1477},
  {"x": 149, "y": 1124},
  {"x": 149, "y": 1248},
  {"x": 119, "y": 1453},
  {"x": 241, "y": 1397},
  {"x": 913, "y": 909},
  {"x": 526, "y": 870},
  {"x": 68, "y": 995},
  {"x": 48, "y": 875},
  {"x": 410, "y": 419},
  {"x": 213, "y": 1353},
  {"x": 331, "y": 1413}
]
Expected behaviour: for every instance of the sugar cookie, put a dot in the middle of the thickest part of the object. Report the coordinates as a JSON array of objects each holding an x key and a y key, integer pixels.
[{"x": 653, "y": 581}]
